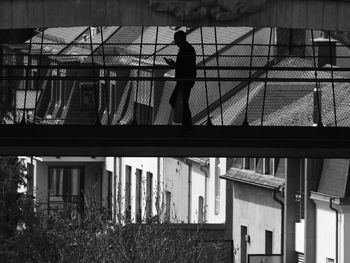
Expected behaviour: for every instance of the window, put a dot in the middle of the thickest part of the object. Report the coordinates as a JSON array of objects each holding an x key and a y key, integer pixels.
[
  {"x": 236, "y": 162},
  {"x": 138, "y": 198},
  {"x": 144, "y": 113},
  {"x": 66, "y": 185},
  {"x": 87, "y": 96},
  {"x": 102, "y": 96},
  {"x": 200, "y": 210},
  {"x": 268, "y": 242},
  {"x": 249, "y": 163},
  {"x": 167, "y": 206},
  {"x": 149, "y": 188},
  {"x": 329, "y": 260},
  {"x": 259, "y": 167},
  {"x": 35, "y": 81},
  {"x": 244, "y": 232},
  {"x": 127, "y": 193},
  {"x": 112, "y": 97},
  {"x": 109, "y": 193}
]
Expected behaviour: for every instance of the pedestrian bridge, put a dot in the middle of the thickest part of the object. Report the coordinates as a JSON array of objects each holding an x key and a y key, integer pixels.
[{"x": 104, "y": 91}]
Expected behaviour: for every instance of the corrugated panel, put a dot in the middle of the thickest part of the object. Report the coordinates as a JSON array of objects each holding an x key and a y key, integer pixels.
[{"x": 334, "y": 177}]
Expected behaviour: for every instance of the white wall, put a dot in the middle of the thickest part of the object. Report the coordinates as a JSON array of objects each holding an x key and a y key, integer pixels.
[
  {"x": 325, "y": 233},
  {"x": 176, "y": 177},
  {"x": 255, "y": 208},
  {"x": 197, "y": 190},
  {"x": 145, "y": 164}
]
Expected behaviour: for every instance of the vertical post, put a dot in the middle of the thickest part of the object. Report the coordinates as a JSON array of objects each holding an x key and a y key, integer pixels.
[
  {"x": 39, "y": 70},
  {"x": 23, "y": 121},
  {"x": 245, "y": 121},
  {"x": 152, "y": 82},
  {"x": 312, "y": 177},
  {"x": 218, "y": 72},
  {"x": 332, "y": 77},
  {"x": 292, "y": 169},
  {"x": 205, "y": 78},
  {"x": 98, "y": 121},
  {"x": 266, "y": 75},
  {"x": 229, "y": 210},
  {"x": 134, "y": 122},
  {"x": 104, "y": 75},
  {"x": 319, "y": 122}
]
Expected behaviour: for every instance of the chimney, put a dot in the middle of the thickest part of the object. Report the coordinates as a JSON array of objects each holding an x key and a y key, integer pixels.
[
  {"x": 326, "y": 51},
  {"x": 317, "y": 107}
]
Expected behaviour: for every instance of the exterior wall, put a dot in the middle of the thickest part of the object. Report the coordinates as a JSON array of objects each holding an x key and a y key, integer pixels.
[
  {"x": 299, "y": 236},
  {"x": 92, "y": 178},
  {"x": 255, "y": 208},
  {"x": 168, "y": 174},
  {"x": 145, "y": 165},
  {"x": 325, "y": 232},
  {"x": 345, "y": 234},
  {"x": 176, "y": 177},
  {"x": 198, "y": 188}
]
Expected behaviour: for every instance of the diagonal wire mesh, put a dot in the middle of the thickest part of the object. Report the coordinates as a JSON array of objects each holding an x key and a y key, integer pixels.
[{"x": 118, "y": 74}]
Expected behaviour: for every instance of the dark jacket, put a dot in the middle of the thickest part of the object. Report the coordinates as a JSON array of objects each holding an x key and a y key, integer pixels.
[{"x": 186, "y": 62}]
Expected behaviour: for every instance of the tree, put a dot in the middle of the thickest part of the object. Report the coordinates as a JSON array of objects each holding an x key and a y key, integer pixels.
[{"x": 11, "y": 178}]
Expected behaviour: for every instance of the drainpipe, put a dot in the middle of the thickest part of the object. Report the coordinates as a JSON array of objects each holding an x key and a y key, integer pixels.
[
  {"x": 205, "y": 171},
  {"x": 189, "y": 189},
  {"x": 331, "y": 202},
  {"x": 158, "y": 188},
  {"x": 279, "y": 189},
  {"x": 115, "y": 189}
]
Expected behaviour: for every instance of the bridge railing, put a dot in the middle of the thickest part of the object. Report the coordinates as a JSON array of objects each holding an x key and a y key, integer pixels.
[{"x": 255, "y": 82}]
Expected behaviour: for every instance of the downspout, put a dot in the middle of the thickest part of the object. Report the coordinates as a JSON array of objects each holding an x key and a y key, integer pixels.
[
  {"x": 331, "y": 202},
  {"x": 279, "y": 189},
  {"x": 115, "y": 189},
  {"x": 158, "y": 188},
  {"x": 205, "y": 171},
  {"x": 189, "y": 189}
]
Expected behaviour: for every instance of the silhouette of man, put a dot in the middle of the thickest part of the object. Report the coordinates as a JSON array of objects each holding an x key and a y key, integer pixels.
[{"x": 185, "y": 74}]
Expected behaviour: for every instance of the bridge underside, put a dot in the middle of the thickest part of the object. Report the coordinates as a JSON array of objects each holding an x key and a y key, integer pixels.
[
  {"x": 131, "y": 141},
  {"x": 308, "y": 14}
]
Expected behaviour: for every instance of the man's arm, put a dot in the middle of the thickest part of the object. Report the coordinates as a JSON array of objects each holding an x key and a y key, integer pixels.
[{"x": 170, "y": 62}]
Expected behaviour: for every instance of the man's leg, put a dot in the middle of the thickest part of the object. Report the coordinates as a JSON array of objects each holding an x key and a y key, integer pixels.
[{"x": 187, "y": 116}]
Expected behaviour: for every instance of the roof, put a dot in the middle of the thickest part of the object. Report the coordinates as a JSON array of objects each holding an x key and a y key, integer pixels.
[
  {"x": 56, "y": 39},
  {"x": 253, "y": 178},
  {"x": 286, "y": 103},
  {"x": 335, "y": 178}
]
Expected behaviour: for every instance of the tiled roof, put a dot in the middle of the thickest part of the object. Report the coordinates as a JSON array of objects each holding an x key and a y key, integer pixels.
[
  {"x": 299, "y": 110},
  {"x": 286, "y": 103},
  {"x": 56, "y": 39},
  {"x": 251, "y": 177},
  {"x": 335, "y": 177},
  {"x": 82, "y": 47}
]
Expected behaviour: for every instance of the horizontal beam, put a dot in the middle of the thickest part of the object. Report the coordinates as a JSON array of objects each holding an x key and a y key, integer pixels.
[
  {"x": 45, "y": 140},
  {"x": 308, "y": 14}
]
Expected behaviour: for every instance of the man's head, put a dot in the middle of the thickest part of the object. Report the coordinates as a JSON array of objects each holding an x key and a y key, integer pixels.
[{"x": 180, "y": 38}]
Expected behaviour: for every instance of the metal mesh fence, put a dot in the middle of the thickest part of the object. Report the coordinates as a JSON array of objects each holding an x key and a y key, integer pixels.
[{"x": 117, "y": 76}]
